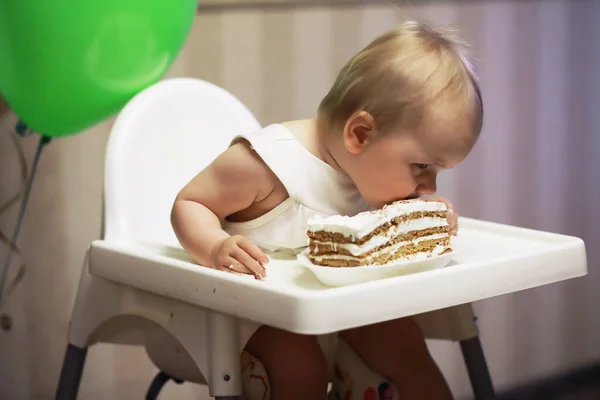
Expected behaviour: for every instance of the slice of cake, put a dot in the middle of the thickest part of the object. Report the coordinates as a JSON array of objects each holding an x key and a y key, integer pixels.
[{"x": 403, "y": 230}]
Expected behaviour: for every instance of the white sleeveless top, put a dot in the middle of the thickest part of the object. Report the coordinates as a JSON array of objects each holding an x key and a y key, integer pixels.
[{"x": 314, "y": 187}]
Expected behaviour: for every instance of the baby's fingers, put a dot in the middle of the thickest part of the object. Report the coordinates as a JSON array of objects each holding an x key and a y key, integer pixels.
[
  {"x": 232, "y": 265},
  {"x": 234, "y": 272},
  {"x": 452, "y": 221},
  {"x": 249, "y": 262},
  {"x": 453, "y": 229},
  {"x": 253, "y": 250}
]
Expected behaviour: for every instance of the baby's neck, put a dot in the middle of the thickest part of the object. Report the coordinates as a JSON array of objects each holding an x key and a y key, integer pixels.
[
  {"x": 327, "y": 142},
  {"x": 316, "y": 138}
]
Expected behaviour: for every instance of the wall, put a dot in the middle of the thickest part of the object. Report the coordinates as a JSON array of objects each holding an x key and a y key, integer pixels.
[{"x": 536, "y": 165}]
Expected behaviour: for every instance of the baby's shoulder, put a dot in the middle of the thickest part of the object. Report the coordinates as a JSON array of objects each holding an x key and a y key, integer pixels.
[{"x": 241, "y": 163}]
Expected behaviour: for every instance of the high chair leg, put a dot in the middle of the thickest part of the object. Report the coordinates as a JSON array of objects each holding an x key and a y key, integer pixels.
[
  {"x": 479, "y": 374},
  {"x": 157, "y": 384},
  {"x": 70, "y": 375},
  {"x": 224, "y": 356}
]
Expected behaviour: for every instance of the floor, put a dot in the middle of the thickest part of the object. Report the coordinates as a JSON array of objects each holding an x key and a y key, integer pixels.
[
  {"x": 592, "y": 393},
  {"x": 588, "y": 392},
  {"x": 578, "y": 385},
  {"x": 583, "y": 384}
]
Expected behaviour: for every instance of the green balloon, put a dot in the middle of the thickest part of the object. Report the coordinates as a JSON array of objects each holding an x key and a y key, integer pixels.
[{"x": 68, "y": 64}]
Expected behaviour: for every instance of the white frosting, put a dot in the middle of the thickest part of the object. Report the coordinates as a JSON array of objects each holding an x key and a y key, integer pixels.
[
  {"x": 365, "y": 222},
  {"x": 378, "y": 240},
  {"x": 392, "y": 249}
]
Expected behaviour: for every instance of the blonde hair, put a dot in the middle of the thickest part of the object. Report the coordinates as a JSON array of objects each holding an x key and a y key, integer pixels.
[{"x": 408, "y": 73}]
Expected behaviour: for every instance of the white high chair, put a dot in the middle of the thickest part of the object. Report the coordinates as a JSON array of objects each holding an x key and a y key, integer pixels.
[{"x": 138, "y": 286}]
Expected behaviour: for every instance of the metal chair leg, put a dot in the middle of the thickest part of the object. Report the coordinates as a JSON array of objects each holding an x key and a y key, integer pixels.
[
  {"x": 70, "y": 375},
  {"x": 157, "y": 384},
  {"x": 479, "y": 373}
]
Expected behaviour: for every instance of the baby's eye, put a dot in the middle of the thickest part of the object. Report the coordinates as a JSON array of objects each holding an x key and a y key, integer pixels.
[{"x": 421, "y": 166}]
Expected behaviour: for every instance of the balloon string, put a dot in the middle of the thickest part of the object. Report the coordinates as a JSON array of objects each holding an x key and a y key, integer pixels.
[
  {"x": 9, "y": 203},
  {"x": 11, "y": 243},
  {"x": 23, "y": 164}
]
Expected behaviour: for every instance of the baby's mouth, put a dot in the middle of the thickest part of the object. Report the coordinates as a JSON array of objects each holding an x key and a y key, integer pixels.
[{"x": 411, "y": 197}]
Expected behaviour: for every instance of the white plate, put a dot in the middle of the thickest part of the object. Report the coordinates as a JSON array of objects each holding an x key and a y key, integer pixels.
[{"x": 335, "y": 276}]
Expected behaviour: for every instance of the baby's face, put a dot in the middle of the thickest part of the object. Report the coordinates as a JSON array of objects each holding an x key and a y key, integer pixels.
[{"x": 405, "y": 165}]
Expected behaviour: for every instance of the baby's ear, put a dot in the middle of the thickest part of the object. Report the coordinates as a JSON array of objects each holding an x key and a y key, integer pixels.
[{"x": 359, "y": 131}]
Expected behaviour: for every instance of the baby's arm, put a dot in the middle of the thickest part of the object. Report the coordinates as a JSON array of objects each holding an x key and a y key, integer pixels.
[{"x": 233, "y": 182}]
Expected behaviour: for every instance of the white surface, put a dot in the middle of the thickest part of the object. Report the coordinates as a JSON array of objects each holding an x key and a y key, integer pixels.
[
  {"x": 333, "y": 276},
  {"x": 500, "y": 259},
  {"x": 163, "y": 137}
]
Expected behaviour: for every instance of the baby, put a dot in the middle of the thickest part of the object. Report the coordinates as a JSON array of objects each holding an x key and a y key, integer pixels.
[{"x": 405, "y": 108}]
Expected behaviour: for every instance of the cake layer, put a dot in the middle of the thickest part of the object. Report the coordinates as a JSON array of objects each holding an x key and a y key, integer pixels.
[
  {"x": 363, "y": 224},
  {"x": 411, "y": 221},
  {"x": 390, "y": 237},
  {"x": 421, "y": 248}
]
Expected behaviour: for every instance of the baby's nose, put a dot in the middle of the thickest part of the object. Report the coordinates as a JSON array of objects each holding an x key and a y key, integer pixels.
[{"x": 428, "y": 188}]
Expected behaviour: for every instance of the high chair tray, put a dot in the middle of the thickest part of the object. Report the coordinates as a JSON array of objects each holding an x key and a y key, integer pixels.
[{"x": 499, "y": 259}]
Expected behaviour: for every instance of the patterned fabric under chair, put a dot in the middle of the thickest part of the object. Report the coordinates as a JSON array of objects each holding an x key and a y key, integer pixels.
[{"x": 351, "y": 380}]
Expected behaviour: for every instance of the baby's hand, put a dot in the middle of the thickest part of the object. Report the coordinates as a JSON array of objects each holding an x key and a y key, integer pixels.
[
  {"x": 238, "y": 254},
  {"x": 452, "y": 215}
]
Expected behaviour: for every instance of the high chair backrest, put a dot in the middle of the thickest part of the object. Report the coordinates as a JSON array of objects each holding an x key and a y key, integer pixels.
[{"x": 161, "y": 139}]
